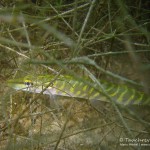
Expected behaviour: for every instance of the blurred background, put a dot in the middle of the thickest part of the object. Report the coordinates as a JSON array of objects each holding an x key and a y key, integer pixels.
[{"x": 107, "y": 39}]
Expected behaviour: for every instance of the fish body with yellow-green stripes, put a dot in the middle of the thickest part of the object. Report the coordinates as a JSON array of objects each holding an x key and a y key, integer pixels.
[{"x": 67, "y": 86}]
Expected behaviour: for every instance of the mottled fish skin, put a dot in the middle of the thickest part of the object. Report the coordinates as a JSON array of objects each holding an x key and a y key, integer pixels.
[{"x": 69, "y": 87}]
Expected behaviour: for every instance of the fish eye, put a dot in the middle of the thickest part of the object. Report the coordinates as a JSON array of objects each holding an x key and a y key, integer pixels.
[{"x": 28, "y": 83}]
